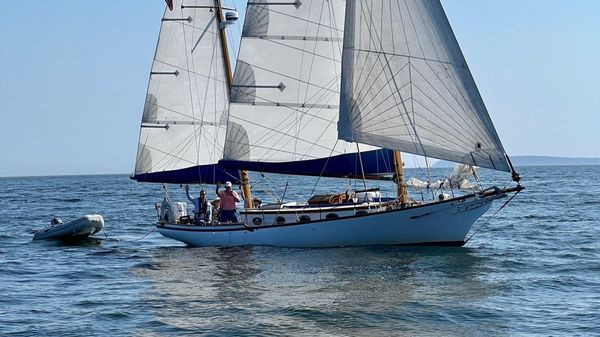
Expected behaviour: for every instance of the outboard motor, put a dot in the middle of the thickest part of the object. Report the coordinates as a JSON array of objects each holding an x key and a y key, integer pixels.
[{"x": 171, "y": 212}]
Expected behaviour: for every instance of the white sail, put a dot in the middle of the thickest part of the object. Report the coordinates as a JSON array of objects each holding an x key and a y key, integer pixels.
[
  {"x": 285, "y": 95},
  {"x": 185, "y": 115},
  {"x": 407, "y": 86}
]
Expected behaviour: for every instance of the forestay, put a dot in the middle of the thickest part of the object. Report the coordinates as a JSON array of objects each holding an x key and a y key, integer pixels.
[
  {"x": 184, "y": 122},
  {"x": 407, "y": 86},
  {"x": 285, "y": 94}
]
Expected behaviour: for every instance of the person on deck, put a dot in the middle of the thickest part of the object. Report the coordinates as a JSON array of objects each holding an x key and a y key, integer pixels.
[
  {"x": 202, "y": 208},
  {"x": 228, "y": 203}
]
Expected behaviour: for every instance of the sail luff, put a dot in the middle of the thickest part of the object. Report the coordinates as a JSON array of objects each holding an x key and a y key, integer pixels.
[{"x": 414, "y": 91}]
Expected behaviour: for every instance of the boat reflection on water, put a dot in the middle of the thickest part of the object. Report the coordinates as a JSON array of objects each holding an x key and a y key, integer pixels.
[{"x": 375, "y": 290}]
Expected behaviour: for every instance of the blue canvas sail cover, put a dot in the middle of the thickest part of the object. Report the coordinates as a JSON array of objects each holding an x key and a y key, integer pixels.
[
  {"x": 406, "y": 85},
  {"x": 208, "y": 174},
  {"x": 376, "y": 164}
]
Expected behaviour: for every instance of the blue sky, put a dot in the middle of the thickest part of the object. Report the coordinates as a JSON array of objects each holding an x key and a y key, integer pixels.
[{"x": 73, "y": 77}]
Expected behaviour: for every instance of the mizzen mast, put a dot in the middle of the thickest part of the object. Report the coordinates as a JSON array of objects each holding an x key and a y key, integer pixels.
[
  {"x": 399, "y": 178},
  {"x": 244, "y": 177}
]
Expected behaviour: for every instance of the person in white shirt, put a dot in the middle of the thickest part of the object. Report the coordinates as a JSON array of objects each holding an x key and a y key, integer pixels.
[{"x": 202, "y": 208}]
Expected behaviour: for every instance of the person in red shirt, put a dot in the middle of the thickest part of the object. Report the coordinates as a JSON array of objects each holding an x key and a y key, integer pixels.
[{"x": 229, "y": 198}]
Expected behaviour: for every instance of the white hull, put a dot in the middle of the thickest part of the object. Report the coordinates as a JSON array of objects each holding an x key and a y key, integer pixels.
[
  {"x": 442, "y": 223},
  {"x": 76, "y": 229}
]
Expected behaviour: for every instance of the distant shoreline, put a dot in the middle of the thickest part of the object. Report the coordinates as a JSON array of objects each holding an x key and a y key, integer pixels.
[{"x": 540, "y": 161}]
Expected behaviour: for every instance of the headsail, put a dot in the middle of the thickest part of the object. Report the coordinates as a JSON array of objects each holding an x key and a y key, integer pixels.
[
  {"x": 285, "y": 94},
  {"x": 185, "y": 116},
  {"x": 407, "y": 86}
]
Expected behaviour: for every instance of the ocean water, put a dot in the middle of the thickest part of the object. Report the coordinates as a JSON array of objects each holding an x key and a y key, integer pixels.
[{"x": 532, "y": 270}]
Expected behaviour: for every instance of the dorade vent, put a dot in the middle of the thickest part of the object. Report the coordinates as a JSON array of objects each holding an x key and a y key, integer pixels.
[{"x": 188, "y": 19}]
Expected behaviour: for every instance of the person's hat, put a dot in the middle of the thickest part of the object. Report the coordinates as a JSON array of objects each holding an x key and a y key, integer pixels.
[
  {"x": 228, "y": 184},
  {"x": 202, "y": 192}
]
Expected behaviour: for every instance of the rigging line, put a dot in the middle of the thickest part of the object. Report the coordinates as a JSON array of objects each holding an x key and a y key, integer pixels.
[
  {"x": 327, "y": 58},
  {"x": 187, "y": 61},
  {"x": 173, "y": 111},
  {"x": 385, "y": 100},
  {"x": 492, "y": 216},
  {"x": 153, "y": 229},
  {"x": 300, "y": 69},
  {"x": 474, "y": 134},
  {"x": 172, "y": 156},
  {"x": 300, "y": 19},
  {"x": 276, "y": 131},
  {"x": 396, "y": 86},
  {"x": 183, "y": 70},
  {"x": 362, "y": 168},
  {"x": 471, "y": 110},
  {"x": 322, "y": 171},
  {"x": 383, "y": 87},
  {"x": 203, "y": 110},
  {"x": 290, "y": 124},
  {"x": 461, "y": 57},
  {"x": 443, "y": 136},
  {"x": 471, "y": 81},
  {"x": 270, "y": 187},
  {"x": 292, "y": 78}
]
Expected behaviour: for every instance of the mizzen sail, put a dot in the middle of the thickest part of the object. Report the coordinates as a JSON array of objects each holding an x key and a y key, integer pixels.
[
  {"x": 184, "y": 122},
  {"x": 407, "y": 86}
]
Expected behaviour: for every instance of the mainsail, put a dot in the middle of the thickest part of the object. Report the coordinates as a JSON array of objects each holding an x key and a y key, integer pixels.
[
  {"x": 184, "y": 122},
  {"x": 285, "y": 94},
  {"x": 407, "y": 86}
]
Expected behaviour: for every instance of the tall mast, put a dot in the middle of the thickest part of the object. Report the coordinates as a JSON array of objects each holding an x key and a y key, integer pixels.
[
  {"x": 248, "y": 203},
  {"x": 399, "y": 174}
]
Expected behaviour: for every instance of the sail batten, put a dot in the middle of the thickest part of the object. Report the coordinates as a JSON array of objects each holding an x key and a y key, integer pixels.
[{"x": 406, "y": 85}]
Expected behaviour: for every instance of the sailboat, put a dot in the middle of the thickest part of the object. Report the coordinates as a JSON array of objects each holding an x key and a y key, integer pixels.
[{"x": 321, "y": 88}]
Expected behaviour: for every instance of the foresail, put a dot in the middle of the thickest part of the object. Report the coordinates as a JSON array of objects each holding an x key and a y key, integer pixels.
[
  {"x": 285, "y": 93},
  {"x": 407, "y": 86},
  {"x": 184, "y": 122}
]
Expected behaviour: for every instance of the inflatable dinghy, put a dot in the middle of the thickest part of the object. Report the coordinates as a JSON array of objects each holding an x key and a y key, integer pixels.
[{"x": 77, "y": 229}]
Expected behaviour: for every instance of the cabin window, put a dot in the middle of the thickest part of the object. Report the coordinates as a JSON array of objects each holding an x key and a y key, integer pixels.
[
  {"x": 332, "y": 216},
  {"x": 257, "y": 221},
  {"x": 361, "y": 212},
  {"x": 304, "y": 218},
  {"x": 280, "y": 220}
]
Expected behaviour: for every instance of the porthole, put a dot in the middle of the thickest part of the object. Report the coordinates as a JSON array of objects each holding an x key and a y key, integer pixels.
[
  {"x": 280, "y": 220},
  {"x": 257, "y": 221},
  {"x": 304, "y": 218},
  {"x": 361, "y": 213},
  {"x": 332, "y": 216}
]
